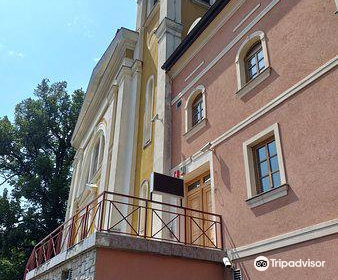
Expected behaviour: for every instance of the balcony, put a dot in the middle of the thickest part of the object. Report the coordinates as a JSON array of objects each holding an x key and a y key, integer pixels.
[{"x": 119, "y": 214}]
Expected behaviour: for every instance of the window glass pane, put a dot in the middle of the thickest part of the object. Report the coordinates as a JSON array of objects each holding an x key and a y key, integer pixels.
[
  {"x": 261, "y": 65},
  {"x": 263, "y": 169},
  {"x": 265, "y": 184},
  {"x": 194, "y": 186},
  {"x": 197, "y": 110},
  {"x": 261, "y": 154},
  {"x": 260, "y": 55},
  {"x": 252, "y": 72},
  {"x": 206, "y": 179},
  {"x": 251, "y": 62},
  {"x": 274, "y": 163},
  {"x": 272, "y": 148},
  {"x": 276, "y": 179}
]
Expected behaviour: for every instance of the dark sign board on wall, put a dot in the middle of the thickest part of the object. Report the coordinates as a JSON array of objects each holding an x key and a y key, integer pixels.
[{"x": 163, "y": 184}]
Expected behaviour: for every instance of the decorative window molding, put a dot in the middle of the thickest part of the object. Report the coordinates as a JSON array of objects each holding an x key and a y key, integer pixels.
[
  {"x": 148, "y": 112},
  {"x": 90, "y": 172},
  {"x": 241, "y": 69},
  {"x": 254, "y": 198},
  {"x": 254, "y": 83},
  {"x": 194, "y": 24},
  {"x": 200, "y": 90},
  {"x": 284, "y": 240},
  {"x": 265, "y": 109},
  {"x": 151, "y": 39},
  {"x": 96, "y": 157},
  {"x": 144, "y": 192}
]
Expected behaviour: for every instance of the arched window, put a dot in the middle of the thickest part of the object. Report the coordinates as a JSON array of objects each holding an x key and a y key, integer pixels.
[
  {"x": 144, "y": 191},
  {"x": 148, "y": 112},
  {"x": 252, "y": 63},
  {"x": 194, "y": 24},
  {"x": 197, "y": 110},
  {"x": 97, "y": 156}
]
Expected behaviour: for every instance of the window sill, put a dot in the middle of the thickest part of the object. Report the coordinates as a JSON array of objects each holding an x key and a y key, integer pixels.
[
  {"x": 254, "y": 83},
  {"x": 195, "y": 129},
  {"x": 268, "y": 196},
  {"x": 96, "y": 175}
]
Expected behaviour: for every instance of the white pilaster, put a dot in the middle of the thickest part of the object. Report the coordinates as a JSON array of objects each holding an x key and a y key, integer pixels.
[{"x": 169, "y": 37}]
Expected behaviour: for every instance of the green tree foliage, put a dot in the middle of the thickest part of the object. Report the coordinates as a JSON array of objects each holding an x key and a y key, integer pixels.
[{"x": 35, "y": 160}]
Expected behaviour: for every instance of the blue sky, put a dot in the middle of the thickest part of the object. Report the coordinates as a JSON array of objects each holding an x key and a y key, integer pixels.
[{"x": 57, "y": 39}]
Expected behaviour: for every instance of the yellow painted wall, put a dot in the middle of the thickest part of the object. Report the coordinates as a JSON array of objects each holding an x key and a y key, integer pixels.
[
  {"x": 145, "y": 156},
  {"x": 190, "y": 12}
]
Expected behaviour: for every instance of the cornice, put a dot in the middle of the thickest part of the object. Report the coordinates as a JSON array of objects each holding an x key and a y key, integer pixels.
[
  {"x": 125, "y": 70},
  {"x": 170, "y": 26},
  {"x": 102, "y": 78}
]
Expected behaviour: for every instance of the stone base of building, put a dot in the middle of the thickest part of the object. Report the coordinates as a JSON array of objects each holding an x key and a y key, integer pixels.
[{"x": 110, "y": 256}]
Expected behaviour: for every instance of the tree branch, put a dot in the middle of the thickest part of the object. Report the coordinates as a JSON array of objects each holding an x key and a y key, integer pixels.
[{"x": 6, "y": 179}]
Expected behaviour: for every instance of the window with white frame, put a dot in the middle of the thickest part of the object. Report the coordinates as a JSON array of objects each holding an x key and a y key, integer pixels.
[
  {"x": 252, "y": 62},
  {"x": 148, "y": 112},
  {"x": 144, "y": 191},
  {"x": 195, "y": 110},
  {"x": 96, "y": 157},
  {"x": 264, "y": 166}
]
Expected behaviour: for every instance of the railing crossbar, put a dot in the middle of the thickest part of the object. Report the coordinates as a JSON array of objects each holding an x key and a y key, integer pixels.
[{"x": 140, "y": 213}]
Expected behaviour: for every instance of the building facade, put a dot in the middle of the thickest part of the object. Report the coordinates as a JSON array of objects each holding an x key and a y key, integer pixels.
[
  {"x": 254, "y": 109},
  {"x": 239, "y": 100}
]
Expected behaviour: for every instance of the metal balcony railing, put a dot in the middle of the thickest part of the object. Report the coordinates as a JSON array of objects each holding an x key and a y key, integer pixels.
[{"x": 133, "y": 216}]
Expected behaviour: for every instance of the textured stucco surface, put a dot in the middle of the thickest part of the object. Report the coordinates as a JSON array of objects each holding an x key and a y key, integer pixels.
[
  {"x": 115, "y": 264},
  {"x": 301, "y": 36},
  {"x": 323, "y": 249},
  {"x": 83, "y": 258}
]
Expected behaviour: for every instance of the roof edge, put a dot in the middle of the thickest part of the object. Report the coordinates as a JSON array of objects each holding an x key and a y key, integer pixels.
[{"x": 194, "y": 34}]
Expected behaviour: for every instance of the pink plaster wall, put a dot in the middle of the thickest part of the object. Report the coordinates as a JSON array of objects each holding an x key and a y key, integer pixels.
[
  {"x": 127, "y": 265},
  {"x": 324, "y": 249},
  {"x": 302, "y": 35}
]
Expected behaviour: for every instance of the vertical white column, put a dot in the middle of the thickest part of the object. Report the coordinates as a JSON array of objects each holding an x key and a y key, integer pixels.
[
  {"x": 125, "y": 137},
  {"x": 169, "y": 37}
]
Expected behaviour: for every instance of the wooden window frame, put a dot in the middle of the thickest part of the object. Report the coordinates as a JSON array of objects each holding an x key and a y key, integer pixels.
[
  {"x": 257, "y": 163},
  {"x": 200, "y": 178},
  {"x": 197, "y": 103},
  {"x": 253, "y": 53},
  {"x": 249, "y": 161}
]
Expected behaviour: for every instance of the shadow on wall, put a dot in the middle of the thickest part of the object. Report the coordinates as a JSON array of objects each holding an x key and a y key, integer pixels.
[
  {"x": 231, "y": 244},
  {"x": 275, "y": 204},
  {"x": 222, "y": 66},
  {"x": 273, "y": 76}
]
